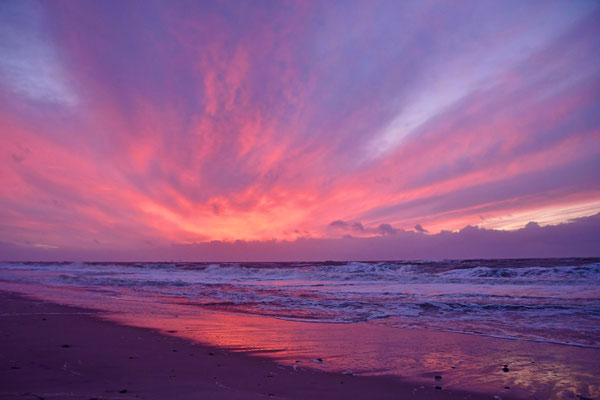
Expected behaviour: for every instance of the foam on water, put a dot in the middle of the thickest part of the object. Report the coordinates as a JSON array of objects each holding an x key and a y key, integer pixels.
[{"x": 548, "y": 300}]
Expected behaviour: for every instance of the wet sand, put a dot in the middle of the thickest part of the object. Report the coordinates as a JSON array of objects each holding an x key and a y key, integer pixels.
[{"x": 53, "y": 351}]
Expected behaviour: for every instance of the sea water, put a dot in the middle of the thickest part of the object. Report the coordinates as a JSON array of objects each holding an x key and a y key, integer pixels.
[{"x": 550, "y": 300}]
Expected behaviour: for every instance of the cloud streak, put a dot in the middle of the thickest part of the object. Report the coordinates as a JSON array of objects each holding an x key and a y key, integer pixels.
[{"x": 198, "y": 122}]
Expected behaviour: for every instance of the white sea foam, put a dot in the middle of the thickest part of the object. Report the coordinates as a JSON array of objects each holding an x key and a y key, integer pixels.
[{"x": 547, "y": 300}]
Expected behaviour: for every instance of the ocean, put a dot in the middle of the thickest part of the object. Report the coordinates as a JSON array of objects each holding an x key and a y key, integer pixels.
[{"x": 548, "y": 300}]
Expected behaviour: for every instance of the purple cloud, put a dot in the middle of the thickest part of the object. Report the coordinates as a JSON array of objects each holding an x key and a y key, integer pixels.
[
  {"x": 124, "y": 123},
  {"x": 578, "y": 238}
]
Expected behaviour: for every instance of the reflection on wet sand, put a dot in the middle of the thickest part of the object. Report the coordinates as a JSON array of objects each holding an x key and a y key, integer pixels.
[{"x": 462, "y": 361}]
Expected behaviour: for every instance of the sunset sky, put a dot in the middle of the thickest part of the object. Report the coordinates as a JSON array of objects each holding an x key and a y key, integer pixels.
[{"x": 148, "y": 124}]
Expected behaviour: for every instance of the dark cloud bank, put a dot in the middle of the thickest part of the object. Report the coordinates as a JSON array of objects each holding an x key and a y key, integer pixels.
[{"x": 579, "y": 238}]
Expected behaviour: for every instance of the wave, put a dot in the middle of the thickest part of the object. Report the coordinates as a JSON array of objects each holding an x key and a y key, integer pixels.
[
  {"x": 517, "y": 298},
  {"x": 583, "y": 272},
  {"x": 350, "y": 271}
]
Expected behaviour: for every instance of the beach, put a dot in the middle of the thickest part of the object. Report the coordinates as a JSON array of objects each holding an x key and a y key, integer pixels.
[
  {"x": 474, "y": 329},
  {"x": 53, "y": 351}
]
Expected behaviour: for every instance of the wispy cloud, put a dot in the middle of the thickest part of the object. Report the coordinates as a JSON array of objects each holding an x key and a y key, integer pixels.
[
  {"x": 237, "y": 121},
  {"x": 30, "y": 65}
]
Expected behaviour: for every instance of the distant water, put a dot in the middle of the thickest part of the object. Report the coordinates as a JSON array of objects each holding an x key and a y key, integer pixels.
[{"x": 553, "y": 300}]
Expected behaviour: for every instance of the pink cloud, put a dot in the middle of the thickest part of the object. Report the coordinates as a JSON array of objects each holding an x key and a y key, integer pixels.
[{"x": 215, "y": 122}]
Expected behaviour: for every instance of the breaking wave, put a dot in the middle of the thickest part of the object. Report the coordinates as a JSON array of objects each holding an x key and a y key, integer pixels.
[{"x": 554, "y": 300}]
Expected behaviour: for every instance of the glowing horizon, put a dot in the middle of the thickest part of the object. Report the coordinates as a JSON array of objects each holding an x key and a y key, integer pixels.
[{"x": 153, "y": 124}]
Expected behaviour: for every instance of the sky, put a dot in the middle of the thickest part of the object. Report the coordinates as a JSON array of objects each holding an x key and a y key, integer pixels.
[{"x": 298, "y": 130}]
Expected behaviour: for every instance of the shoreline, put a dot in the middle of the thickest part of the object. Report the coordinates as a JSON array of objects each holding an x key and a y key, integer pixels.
[{"x": 54, "y": 351}]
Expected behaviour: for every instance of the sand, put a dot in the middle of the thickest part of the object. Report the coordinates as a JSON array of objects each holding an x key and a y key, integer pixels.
[{"x": 53, "y": 351}]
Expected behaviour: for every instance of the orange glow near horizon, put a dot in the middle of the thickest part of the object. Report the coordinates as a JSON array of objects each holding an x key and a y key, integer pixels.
[{"x": 202, "y": 134}]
